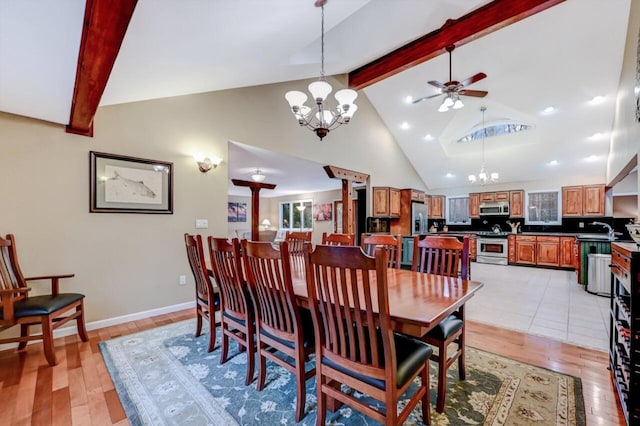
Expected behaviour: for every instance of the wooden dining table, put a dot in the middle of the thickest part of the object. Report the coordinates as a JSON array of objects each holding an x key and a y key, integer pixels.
[{"x": 417, "y": 301}]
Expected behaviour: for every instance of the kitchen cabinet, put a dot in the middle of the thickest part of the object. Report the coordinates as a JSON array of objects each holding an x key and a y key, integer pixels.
[
  {"x": 473, "y": 248},
  {"x": 502, "y": 196},
  {"x": 474, "y": 206},
  {"x": 581, "y": 201},
  {"x": 416, "y": 195},
  {"x": 567, "y": 252},
  {"x": 548, "y": 251},
  {"x": 487, "y": 197},
  {"x": 516, "y": 203},
  {"x": 624, "y": 350},
  {"x": 386, "y": 201},
  {"x": 526, "y": 249},
  {"x": 511, "y": 249},
  {"x": 436, "y": 207}
]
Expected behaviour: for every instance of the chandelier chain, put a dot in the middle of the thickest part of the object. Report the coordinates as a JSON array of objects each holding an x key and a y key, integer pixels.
[{"x": 322, "y": 44}]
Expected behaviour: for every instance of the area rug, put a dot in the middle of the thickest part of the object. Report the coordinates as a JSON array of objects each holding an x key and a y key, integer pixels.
[{"x": 165, "y": 376}]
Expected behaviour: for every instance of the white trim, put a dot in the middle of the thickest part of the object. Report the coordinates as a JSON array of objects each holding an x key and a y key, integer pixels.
[{"x": 71, "y": 330}]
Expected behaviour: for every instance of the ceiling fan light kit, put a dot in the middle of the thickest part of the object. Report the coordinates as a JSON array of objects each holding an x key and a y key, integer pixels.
[
  {"x": 454, "y": 89},
  {"x": 321, "y": 119}
]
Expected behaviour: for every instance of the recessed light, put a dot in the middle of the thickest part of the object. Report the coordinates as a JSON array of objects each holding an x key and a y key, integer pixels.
[
  {"x": 404, "y": 125},
  {"x": 449, "y": 175},
  {"x": 553, "y": 163},
  {"x": 597, "y": 100},
  {"x": 592, "y": 158},
  {"x": 408, "y": 99},
  {"x": 428, "y": 137},
  {"x": 549, "y": 110}
]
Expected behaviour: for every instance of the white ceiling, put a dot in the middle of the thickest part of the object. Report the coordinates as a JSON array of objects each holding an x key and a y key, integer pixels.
[{"x": 562, "y": 57}]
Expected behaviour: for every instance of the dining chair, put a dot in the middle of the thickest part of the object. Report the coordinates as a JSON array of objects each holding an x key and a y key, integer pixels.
[
  {"x": 237, "y": 314},
  {"x": 207, "y": 299},
  {"x": 449, "y": 257},
  {"x": 391, "y": 243},
  {"x": 299, "y": 242},
  {"x": 46, "y": 310},
  {"x": 355, "y": 344},
  {"x": 338, "y": 239},
  {"x": 280, "y": 325}
]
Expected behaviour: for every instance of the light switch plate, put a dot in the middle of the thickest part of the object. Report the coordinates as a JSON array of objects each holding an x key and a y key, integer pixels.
[{"x": 202, "y": 223}]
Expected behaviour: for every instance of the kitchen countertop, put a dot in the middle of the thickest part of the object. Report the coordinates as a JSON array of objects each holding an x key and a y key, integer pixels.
[{"x": 586, "y": 236}]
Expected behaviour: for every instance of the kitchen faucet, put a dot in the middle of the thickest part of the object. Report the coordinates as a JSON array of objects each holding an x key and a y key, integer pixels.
[{"x": 606, "y": 225}]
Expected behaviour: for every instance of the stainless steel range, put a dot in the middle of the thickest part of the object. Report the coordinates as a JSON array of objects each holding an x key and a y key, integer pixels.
[{"x": 493, "y": 247}]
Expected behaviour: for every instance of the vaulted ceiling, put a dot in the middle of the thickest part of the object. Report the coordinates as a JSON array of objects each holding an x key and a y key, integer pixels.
[{"x": 563, "y": 57}]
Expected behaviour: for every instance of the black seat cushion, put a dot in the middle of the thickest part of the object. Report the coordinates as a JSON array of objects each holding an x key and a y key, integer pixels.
[
  {"x": 446, "y": 328},
  {"x": 216, "y": 300},
  {"x": 44, "y": 305},
  {"x": 411, "y": 355},
  {"x": 308, "y": 336}
]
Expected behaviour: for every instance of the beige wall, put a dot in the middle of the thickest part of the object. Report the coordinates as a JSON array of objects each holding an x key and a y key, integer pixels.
[{"x": 129, "y": 263}]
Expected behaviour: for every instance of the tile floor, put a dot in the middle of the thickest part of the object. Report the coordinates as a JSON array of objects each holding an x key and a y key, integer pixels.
[{"x": 545, "y": 302}]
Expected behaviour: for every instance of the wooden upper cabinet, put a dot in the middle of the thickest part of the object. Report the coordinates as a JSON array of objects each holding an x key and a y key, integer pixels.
[
  {"x": 593, "y": 200},
  {"x": 386, "y": 201},
  {"x": 474, "y": 206},
  {"x": 572, "y": 201},
  {"x": 502, "y": 196},
  {"x": 487, "y": 196},
  {"x": 436, "y": 209},
  {"x": 516, "y": 203},
  {"x": 417, "y": 195},
  {"x": 394, "y": 202},
  {"x": 579, "y": 201}
]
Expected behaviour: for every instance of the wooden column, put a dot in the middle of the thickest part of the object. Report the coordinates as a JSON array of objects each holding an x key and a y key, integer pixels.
[
  {"x": 255, "y": 188},
  {"x": 347, "y": 177}
]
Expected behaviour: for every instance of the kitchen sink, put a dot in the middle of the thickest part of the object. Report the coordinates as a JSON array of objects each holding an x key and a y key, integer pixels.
[{"x": 603, "y": 237}]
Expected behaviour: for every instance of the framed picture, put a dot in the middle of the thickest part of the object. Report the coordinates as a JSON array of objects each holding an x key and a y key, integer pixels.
[
  {"x": 232, "y": 212},
  {"x": 322, "y": 212},
  {"x": 242, "y": 212},
  {"x": 121, "y": 184}
]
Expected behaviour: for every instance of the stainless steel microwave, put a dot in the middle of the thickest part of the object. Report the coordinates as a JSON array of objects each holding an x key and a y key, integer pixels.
[{"x": 498, "y": 208}]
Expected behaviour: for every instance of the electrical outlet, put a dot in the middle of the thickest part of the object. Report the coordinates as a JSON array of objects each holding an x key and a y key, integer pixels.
[
  {"x": 182, "y": 280},
  {"x": 581, "y": 225},
  {"x": 202, "y": 223}
]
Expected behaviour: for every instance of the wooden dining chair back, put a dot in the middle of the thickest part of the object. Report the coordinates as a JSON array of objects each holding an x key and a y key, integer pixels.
[
  {"x": 338, "y": 239},
  {"x": 207, "y": 299},
  {"x": 441, "y": 256},
  {"x": 449, "y": 257},
  {"x": 280, "y": 325},
  {"x": 392, "y": 244},
  {"x": 50, "y": 311},
  {"x": 237, "y": 314},
  {"x": 299, "y": 243},
  {"x": 355, "y": 344}
]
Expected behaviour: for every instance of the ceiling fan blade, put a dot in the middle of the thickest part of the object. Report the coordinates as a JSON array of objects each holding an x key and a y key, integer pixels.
[
  {"x": 476, "y": 93},
  {"x": 473, "y": 79},
  {"x": 437, "y": 84},
  {"x": 427, "y": 97}
]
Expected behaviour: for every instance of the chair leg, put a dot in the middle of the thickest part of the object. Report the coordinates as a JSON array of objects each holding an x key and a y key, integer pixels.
[
  {"x": 321, "y": 414},
  {"x": 24, "y": 332},
  {"x": 47, "y": 338},
  {"x": 461, "y": 344},
  {"x": 251, "y": 358},
  {"x": 442, "y": 377},
  {"x": 301, "y": 392},
  {"x": 212, "y": 331},
  {"x": 225, "y": 344},
  {"x": 198, "y": 322},
  {"x": 82, "y": 330},
  {"x": 262, "y": 368},
  {"x": 426, "y": 399}
]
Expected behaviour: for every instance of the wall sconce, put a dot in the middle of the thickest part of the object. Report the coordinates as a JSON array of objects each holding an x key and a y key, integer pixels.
[
  {"x": 205, "y": 163},
  {"x": 266, "y": 224}
]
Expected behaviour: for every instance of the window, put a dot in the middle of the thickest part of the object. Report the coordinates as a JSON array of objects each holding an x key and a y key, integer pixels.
[
  {"x": 295, "y": 218},
  {"x": 543, "y": 208},
  {"x": 458, "y": 211}
]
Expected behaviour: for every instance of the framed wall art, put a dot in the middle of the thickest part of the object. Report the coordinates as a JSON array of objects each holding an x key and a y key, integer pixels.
[
  {"x": 121, "y": 184},
  {"x": 236, "y": 212},
  {"x": 322, "y": 212}
]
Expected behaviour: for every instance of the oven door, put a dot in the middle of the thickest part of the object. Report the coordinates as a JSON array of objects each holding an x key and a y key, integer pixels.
[{"x": 492, "y": 250}]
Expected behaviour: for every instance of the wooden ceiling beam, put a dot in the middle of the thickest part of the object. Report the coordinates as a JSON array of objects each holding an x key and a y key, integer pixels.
[
  {"x": 105, "y": 24},
  {"x": 339, "y": 173},
  {"x": 480, "y": 22}
]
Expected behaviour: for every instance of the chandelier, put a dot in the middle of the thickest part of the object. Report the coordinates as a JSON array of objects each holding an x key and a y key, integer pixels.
[
  {"x": 322, "y": 119},
  {"x": 258, "y": 176},
  {"x": 483, "y": 177}
]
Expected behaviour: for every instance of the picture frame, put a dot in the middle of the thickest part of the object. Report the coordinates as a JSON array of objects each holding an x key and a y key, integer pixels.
[
  {"x": 123, "y": 184},
  {"x": 322, "y": 212},
  {"x": 236, "y": 212}
]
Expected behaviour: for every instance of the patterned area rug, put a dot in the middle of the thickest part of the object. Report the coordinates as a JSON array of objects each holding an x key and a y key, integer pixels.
[{"x": 165, "y": 376}]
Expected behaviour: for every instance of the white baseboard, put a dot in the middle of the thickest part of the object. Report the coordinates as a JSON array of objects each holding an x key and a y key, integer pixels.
[{"x": 71, "y": 329}]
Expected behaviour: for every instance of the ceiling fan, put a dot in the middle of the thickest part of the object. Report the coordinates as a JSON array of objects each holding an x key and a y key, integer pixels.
[{"x": 454, "y": 89}]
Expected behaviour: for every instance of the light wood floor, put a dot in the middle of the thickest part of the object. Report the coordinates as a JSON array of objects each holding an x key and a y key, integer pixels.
[{"x": 79, "y": 390}]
